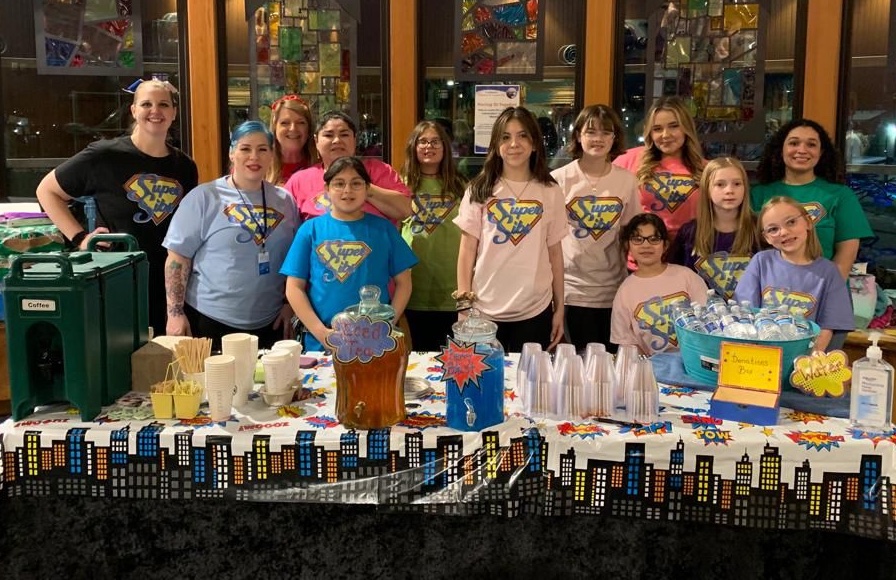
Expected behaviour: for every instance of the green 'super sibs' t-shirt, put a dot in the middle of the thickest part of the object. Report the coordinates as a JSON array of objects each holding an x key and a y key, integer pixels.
[
  {"x": 435, "y": 239},
  {"x": 834, "y": 208}
]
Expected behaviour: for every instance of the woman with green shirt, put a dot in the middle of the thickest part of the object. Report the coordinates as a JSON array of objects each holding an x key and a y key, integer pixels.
[
  {"x": 800, "y": 162},
  {"x": 430, "y": 174}
]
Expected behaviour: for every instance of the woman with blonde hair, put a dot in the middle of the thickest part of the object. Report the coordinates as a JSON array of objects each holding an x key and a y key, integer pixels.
[
  {"x": 795, "y": 275},
  {"x": 669, "y": 164},
  {"x": 137, "y": 182},
  {"x": 291, "y": 124},
  {"x": 719, "y": 242}
]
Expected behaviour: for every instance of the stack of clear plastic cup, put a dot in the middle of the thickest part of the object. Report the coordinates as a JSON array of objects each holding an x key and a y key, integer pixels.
[
  {"x": 626, "y": 356},
  {"x": 523, "y": 390},
  {"x": 600, "y": 384},
  {"x": 563, "y": 351},
  {"x": 571, "y": 398},
  {"x": 541, "y": 380},
  {"x": 642, "y": 397}
]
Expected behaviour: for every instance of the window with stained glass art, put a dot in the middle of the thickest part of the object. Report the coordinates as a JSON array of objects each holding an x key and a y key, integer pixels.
[
  {"x": 710, "y": 53},
  {"x": 88, "y": 37},
  {"x": 497, "y": 39}
]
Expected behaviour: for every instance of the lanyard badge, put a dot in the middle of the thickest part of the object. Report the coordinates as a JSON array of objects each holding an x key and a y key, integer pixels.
[{"x": 264, "y": 263}]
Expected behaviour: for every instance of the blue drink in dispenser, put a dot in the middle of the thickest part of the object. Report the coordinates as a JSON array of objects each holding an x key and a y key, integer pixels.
[{"x": 473, "y": 372}]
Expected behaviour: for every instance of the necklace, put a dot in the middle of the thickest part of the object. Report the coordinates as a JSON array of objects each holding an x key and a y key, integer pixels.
[
  {"x": 515, "y": 194},
  {"x": 594, "y": 183}
]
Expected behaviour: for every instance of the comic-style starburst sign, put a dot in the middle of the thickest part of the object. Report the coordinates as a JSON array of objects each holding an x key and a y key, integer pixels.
[{"x": 462, "y": 364}]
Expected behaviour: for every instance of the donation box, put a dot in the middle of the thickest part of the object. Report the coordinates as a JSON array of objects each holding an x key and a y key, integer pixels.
[{"x": 73, "y": 321}]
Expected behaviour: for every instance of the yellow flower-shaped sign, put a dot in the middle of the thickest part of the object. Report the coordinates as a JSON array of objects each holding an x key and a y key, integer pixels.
[{"x": 822, "y": 374}]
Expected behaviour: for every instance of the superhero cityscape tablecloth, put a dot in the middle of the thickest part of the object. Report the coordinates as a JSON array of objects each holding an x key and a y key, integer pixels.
[{"x": 807, "y": 472}]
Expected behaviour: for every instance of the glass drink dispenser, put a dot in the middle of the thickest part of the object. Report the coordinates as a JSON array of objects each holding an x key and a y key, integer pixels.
[
  {"x": 473, "y": 369},
  {"x": 370, "y": 360}
]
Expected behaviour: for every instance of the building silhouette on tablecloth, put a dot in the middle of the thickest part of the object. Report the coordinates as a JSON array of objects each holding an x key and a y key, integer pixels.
[{"x": 401, "y": 472}]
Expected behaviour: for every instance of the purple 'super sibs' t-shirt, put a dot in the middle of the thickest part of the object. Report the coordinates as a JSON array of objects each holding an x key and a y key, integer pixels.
[{"x": 817, "y": 290}]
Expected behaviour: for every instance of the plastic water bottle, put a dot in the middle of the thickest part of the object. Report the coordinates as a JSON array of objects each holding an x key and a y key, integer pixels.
[
  {"x": 715, "y": 304},
  {"x": 745, "y": 319},
  {"x": 684, "y": 317},
  {"x": 699, "y": 310},
  {"x": 767, "y": 328},
  {"x": 731, "y": 327},
  {"x": 803, "y": 328},
  {"x": 712, "y": 324},
  {"x": 787, "y": 325}
]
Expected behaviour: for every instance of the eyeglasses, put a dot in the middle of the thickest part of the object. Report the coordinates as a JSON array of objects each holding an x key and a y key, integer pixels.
[
  {"x": 652, "y": 240},
  {"x": 434, "y": 143},
  {"x": 354, "y": 184},
  {"x": 593, "y": 134},
  {"x": 788, "y": 224}
]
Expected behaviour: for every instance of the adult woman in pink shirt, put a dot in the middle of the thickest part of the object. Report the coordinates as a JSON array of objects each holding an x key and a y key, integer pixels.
[
  {"x": 668, "y": 165},
  {"x": 335, "y": 137}
]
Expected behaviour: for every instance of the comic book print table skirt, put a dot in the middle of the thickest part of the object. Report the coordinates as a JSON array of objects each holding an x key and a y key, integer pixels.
[{"x": 808, "y": 472}]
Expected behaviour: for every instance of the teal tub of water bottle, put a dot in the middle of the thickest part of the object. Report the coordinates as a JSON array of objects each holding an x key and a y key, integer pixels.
[{"x": 700, "y": 352}]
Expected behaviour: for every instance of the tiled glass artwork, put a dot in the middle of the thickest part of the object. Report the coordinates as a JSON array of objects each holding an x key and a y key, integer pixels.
[
  {"x": 498, "y": 37},
  {"x": 706, "y": 52},
  {"x": 301, "y": 48},
  {"x": 94, "y": 37}
]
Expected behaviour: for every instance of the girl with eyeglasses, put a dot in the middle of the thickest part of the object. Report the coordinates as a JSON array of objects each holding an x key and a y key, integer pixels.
[
  {"x": 719, "y": 242},
  {"x": 334, "y": 255},
  {"x": 429, "y": 172},
  {"x": 643, "y": 305},
  {"x": 800, "y": 162},
  {"x": 795, "y": 275},
  {"x": 510, "y": 263},
  {"x": 600, "y": 200}
]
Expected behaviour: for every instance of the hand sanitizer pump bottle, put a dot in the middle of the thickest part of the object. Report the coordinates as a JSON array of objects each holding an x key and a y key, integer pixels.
[{"x": 871, "y": 396}]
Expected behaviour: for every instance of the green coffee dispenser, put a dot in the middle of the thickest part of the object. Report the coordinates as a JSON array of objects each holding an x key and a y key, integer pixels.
[{"x": 73, "y": 321}]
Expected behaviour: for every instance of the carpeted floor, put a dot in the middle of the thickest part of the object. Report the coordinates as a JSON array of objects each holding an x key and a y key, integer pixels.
[{"x": 76, "y": 538}]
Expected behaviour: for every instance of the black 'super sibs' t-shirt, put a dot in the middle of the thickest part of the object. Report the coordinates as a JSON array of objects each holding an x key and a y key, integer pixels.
[{"x": 135, "y": 194}]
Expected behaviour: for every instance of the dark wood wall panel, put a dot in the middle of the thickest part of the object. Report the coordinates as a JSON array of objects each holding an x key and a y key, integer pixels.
[{"x": 870, "y": 27}]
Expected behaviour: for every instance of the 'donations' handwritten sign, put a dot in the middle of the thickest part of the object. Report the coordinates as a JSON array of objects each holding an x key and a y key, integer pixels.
[{"x": 750, "y": 366}]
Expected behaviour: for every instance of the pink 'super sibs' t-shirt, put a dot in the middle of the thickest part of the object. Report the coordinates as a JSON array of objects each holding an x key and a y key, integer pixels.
[
  {"x": 307, "y": 188},
  {"x": 671, "y": 192},
  {"x": 512, "y": 272}
]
